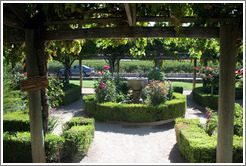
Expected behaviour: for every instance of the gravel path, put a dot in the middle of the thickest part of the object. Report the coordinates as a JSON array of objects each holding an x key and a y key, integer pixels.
[{"x": 115, "y": 143}]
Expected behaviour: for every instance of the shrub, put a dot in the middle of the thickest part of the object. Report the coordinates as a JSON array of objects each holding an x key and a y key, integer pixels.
[
  {"x": 19, "y": 121},
  {"x": 55, "y": 92},
  {"x": 156, "y": 74},
  {"x": 178, "y": 89},
  {"x": 17, "y": 147},
  {"x": 208, "y": 100},
  {"x": 78, "y": 134},
  {"x": 198, "y": 147},
  {"x": 104, "y": 87},
  {"x": 210, "y": 78},
  {"x": 159, "y": 92},
  {"x": 16, "y": 121},
  {"x": 135, "y": 112},
  {"x": 72, "y": 93}
]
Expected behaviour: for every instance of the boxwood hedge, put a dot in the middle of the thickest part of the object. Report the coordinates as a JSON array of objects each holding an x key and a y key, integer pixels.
[
  {"x": 198, "y": 147},
  {"x": 73, "y": 143},
  {"x": 17, "y": 147},
  {"x": 123, "y": 112},
  {"x": 16, "y": 121},
  {"x": 208, "y": 100},
  {"x": 72, "y": 93},
  {"x": 78, "y": 134}
]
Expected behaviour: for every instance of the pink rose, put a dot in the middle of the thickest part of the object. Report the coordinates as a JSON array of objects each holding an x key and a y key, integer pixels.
[
  {"x": 106, "y": 67},
  {"x": 102, "y": 73},
  {"x": 102, "y": 86},
  {"x": 99, "y": 73}
]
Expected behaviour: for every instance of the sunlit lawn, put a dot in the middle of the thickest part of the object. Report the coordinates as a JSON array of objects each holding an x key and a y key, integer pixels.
[{"x": 90, "y": 84}]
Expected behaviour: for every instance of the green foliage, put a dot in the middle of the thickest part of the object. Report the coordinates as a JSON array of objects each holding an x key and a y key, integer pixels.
[
  {"x": 72, "y": 93},
  {"x": 16, "y": 121},
  {"x": 19, "y": 121},
  {"x": 178, "y": 89},
  {"x": 210, "y": 78},
  {"x": 198, "y": 147},
  {"x": 159, "y": 92},
  {"x": 212, "y": 122},
  {"x": 77, "y": 121},
  {"x": 156, "y": 74},
  {"x": 208, "y": 100},
  {"x": 205, "y": 100},
  {"x": 78, "y": 137},
  {"x": 135, "y": 112},
  {"x": 14, "y": 144},
  {"x": 55, "y": 92},
  {"x": 105, "y": 87}
]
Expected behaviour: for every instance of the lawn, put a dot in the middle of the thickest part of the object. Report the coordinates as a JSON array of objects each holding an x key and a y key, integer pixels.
[
  {"x": 90, "y": 84},
  {"x": 86, "y": 83}
]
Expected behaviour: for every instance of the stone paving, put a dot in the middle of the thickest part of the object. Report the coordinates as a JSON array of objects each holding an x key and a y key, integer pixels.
[{"x": 122, "y": 144}]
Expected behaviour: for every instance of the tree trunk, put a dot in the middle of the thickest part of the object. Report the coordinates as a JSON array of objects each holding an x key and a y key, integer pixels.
[
  {"x": 111, "y": 64},
  {"x": 80, "y": 75},
  {"x": 194, "y": 73},
  {"x": 67, "y": 70}
]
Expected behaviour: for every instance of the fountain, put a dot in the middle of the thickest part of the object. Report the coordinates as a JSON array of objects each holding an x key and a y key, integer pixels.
[{"x": 137, "y": 84}]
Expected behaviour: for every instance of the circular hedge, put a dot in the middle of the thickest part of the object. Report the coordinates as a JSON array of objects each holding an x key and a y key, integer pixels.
[{"x": 123, "y": 112}]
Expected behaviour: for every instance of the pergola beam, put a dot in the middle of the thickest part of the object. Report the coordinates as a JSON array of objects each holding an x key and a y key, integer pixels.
[
  {"x": 132, "y": 32},
  {"x": 138, "y": 19},
  {"x": 18, "y": 12}
]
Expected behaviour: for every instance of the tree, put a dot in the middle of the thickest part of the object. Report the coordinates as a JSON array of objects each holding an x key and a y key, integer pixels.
[
  {"x": 65, "y": 52},
  {"x": 89, "y": 48},
  {"x": 13, "y": 53}
]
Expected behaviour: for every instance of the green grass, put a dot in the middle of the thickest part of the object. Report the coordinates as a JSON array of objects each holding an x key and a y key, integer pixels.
[
  {"x": 90, "y": 84},
  {"x": 86, "y": 83},
  {"x": 186, "y": 85}
]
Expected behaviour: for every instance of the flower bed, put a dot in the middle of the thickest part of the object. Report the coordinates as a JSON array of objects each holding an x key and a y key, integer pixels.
[
  {"x": 208, "y": 100},
  {"x": 198, "y": 147},
  {"x": 110, "y": 111}
]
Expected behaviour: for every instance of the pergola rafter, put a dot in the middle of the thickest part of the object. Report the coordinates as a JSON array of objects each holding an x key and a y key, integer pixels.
[{"x": 122, "y": 23}]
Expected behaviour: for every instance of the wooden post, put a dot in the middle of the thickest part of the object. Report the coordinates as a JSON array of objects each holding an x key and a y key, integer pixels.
[
  {"x": 118, "y": 66},
  {"x": 194, "y": 73},
  {"x": 34, "y": 97},
  {"x": 226, "y": 93},
  {"x": 80, "y": 75}
]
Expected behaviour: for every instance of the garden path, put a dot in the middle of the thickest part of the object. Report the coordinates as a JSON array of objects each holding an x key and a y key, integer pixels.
[{"x": 115, "y": 143}]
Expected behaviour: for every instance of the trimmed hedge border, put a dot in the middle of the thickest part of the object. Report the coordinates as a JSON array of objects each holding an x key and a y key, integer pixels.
[
  {"x": 178, "y": 89},
  {"x": 136, "y": 113},
  {"x": 207, "y": 100},
  {"x": 198, "y": 147},
  {"x": 72, "y": 94},
  {"x": 73, "y": 143},
  {"x": 78, "y": 134},
  {"x": 17, "y": 147}
]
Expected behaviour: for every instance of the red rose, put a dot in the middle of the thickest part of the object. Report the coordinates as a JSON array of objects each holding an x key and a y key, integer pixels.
[{"x": 25, "y": 74}]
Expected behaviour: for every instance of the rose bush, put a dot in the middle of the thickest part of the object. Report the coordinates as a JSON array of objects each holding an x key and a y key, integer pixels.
[
  {"x": 158, "y": 92},
  {"x": 104, "y": 87},
  {"x": 210, "y": 78}
]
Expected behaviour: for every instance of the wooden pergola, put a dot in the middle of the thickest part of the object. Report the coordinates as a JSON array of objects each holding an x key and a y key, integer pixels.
[{"x": 122, "y": 21}]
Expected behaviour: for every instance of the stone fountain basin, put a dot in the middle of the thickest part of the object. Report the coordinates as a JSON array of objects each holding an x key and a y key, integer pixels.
[{"x": 137, "y": 83}]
